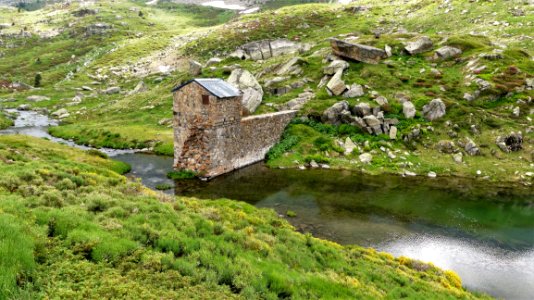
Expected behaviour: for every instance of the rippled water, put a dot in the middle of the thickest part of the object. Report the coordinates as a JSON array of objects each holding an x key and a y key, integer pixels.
[{"x": 485, "y": 234}]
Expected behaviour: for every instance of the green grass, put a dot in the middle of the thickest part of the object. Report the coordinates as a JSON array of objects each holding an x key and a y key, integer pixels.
[{"x": 71, "y": 226}]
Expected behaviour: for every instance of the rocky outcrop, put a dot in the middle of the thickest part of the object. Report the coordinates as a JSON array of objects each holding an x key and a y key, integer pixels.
[
  {"x": 250, "y": 87},
  {"x": 434, "y": 110},
  {"x": 261, "y": 50},
  {"x": 358, "y": 52},
  {"x": 447, "y": 52},
  {"x": 420, "y": 45}
]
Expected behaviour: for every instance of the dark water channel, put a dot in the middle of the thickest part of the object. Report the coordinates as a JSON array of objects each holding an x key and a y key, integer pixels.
[{"x": 484, "y": 233}]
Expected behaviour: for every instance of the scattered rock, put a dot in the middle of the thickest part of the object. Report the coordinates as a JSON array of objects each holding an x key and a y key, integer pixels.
[
  {"x": 363, "y": 53},
  {"x": 111, "y": 90},
  {"x": 336, "y": 85},
  {"x": 97, "y": 29},
  {"x": 87, "y": 88},
  {"x": 24, "y": 107},
  {"x": 314, "y": 164},
  {"x": 447, "y": 52},
  {"x": 381, "y": 101},
  {"x": 213, "y": 61},
  {"x": 409, "y": 173},
  {"x": 393, "y": 133},
  {"x": 366, "y": 158},
  {"x": 432, "y": 174},
  {"x": 408, "y": 109},
  {"x": 332, "y": 115},
  {"x": 458, "y": 157},
  {"x": 355, "y": 90},
  {"x": 60, "y": 112},
  {"x": 471, "y": 148},
  {"x": 139, "y": 88},
  {"x": 420, "y": 45},
  {"x": 335, "y": 66},
  {"x": 512, "y": 142},
  {"x": 362, "y": 109},
  {"x": 299, "y": 102},
  {"x": 37, "y": 98},
  {"x": 165, "y": 122},
  {"x": 252, "y": 90},
  {"x": 388, "y": 50},
  {"x": 195, "y": 68},
  {"x": 292, "y": 67},
  {"x": 349, "y": 146},
  {"x": 445, "y": 146},
  {"x": 434, "y": 110}
]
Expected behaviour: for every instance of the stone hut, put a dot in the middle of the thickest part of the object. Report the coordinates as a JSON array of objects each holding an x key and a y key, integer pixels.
[{"x": 210, "y": 135}]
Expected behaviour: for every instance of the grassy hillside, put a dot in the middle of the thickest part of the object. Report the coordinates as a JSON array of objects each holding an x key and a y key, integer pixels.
[
  {"x": 72, "y": 227},
  {"x": 129, "y": 53}
]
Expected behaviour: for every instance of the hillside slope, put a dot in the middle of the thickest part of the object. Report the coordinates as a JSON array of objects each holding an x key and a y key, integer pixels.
[
  {"x": 72, "y": 227},
  {"x": 112, "y": 67}
]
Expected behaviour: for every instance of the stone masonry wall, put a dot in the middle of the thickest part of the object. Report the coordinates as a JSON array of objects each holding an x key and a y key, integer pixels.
[{"x": 236, "y": 147}]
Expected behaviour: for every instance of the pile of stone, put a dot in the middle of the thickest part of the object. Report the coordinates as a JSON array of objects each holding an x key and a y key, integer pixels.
[{"x": 369, "y": 119}]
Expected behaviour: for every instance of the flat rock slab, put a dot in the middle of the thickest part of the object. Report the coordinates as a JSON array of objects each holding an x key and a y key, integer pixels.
[{"x": 363, "y": 53}]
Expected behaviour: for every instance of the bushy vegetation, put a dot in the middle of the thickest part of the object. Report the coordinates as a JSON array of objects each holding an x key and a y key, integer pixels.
[{"x": 71, "y": 227}]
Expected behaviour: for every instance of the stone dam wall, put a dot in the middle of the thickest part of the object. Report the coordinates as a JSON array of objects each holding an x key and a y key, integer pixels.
[{"x": 214, "y": 150}]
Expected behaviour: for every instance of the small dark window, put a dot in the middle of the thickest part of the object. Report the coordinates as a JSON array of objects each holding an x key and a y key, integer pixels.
[{"x": 205, "y": 99}]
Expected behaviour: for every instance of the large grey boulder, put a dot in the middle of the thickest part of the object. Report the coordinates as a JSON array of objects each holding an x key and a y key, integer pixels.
[
  {"x": 447, "y": 52},
  {"x": 420, "y": 45},
  {"x": 434, "y": 110},
  {"x": 336, "y": 85},
  {"x": 363, "y": 53},
  {"x": 408, "y": 109},
  {"x": 37, "y": 98},
  {"x": 252, "y": 90},
  {"x": 333, "y": 114}
]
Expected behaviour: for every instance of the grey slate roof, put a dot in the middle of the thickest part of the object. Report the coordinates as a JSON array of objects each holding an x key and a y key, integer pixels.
[{"x": 216, "y": 86}]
